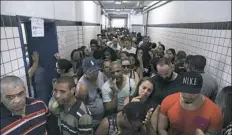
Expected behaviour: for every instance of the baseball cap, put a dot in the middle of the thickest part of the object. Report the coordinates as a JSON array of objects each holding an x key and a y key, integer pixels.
[
  {"x": 190, "y": 82},
  {"x": 90, "y": 64}
]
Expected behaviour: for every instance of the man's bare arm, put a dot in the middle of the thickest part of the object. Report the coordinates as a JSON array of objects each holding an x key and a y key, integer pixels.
[
  {"x": 81, "y": 93},
  {"x": 162, "y": 124},
  {"x": 112, "y": 105},
  {"x": 103, "y": 127}
]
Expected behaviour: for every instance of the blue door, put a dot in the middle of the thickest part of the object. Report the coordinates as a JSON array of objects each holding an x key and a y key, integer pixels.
[{"x": 46, "y": 46}]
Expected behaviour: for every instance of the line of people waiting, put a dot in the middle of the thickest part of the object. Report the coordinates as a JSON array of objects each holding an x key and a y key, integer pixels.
[{"x": 122, "y": 85}]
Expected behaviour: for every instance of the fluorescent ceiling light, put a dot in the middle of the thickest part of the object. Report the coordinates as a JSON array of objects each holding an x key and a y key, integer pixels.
[
  {"x": 118, "y": 2},
  {"x": 117, "y": 10},
  {"x": 110, "y": 9},
  {"x": 127, "y": 1}
]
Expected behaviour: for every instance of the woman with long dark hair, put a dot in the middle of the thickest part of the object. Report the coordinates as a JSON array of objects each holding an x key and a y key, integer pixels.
[
  {"x": 77, "y": 56},
  {"x": 144, "y": 61},
  {"x": 109, "y": 53},
  {"x": 143, "y": 93},
  {"x": 135, "y": 65},
  {"x": 63, "y": 67},
  {"x": 161, "y": 49},
  {"x": 171, "y": 54},
  {"x": 85, "y": 51}
]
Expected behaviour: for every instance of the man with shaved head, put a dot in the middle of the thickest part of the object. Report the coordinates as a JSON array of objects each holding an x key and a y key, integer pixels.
[
  {"x": 165, "y": 81},
  {"x": 20, "y": 115}
]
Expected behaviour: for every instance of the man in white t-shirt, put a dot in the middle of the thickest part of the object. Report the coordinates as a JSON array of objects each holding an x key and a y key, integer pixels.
[
  {"x": 115, "y": 45},
  {"x": 128, "y": 46},
  {"x": 117, "y": 88},
  {"x": 140, "y": 43}
]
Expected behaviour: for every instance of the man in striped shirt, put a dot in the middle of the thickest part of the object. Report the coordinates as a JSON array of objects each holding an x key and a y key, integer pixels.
[
  {"x": 74, "y": 117},
  {"x": 20, "y": 115}
]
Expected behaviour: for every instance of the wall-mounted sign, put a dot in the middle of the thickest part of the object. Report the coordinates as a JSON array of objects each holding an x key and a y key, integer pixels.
[{"x": 37, "y": 27}]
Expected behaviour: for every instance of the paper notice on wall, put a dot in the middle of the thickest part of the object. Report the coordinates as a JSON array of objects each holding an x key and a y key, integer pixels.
[{"x": 37, "y": 27}]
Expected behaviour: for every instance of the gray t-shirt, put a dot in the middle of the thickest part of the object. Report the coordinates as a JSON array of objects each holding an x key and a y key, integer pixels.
[
  {"x": 128, "y": 90},
  {"x": 94, "y": 101},
  {"x": 210, "y": 86},
  {"x": 77, "y": 121}
]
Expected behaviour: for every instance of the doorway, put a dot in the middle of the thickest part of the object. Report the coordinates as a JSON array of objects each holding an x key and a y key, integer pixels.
[{"x": 46, "y": 47}]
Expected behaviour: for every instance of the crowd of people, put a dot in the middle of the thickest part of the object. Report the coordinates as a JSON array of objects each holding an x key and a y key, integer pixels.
[{"x": 123, "y": 84}]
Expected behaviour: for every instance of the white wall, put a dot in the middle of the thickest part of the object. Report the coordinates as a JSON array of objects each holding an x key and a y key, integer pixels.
[
  {"x": 104, "y": 21},
  {"x": 64, "y": 10},
  {"x": 129, "y": 22},
  {"x": 118, "y": 22},
  {"x": 69, "y": 37},
  {"x": 107, "y": 22},
  {"x": 85, "y": 11},
  {"x": 137, "y": 23},
  {"x": 191, "y": 11},
  {"x": 90, "y": 32},
  {"x": 137, "y": 19},
  {"x": 29, "y": 8},
  {"x": 145, "y": 22},
  {"x": 215, "y": 45},
  {"x": 88, "y": 11}
]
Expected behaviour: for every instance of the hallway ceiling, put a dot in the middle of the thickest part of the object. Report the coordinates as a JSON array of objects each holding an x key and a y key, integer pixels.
[{"x": 121, "y": 9}]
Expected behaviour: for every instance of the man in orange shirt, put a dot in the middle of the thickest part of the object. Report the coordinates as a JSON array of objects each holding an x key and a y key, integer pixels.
[{"x": 184, "y": 112}]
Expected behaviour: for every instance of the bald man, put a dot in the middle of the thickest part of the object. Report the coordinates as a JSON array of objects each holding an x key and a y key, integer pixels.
[{"x": 165, "y": 81}]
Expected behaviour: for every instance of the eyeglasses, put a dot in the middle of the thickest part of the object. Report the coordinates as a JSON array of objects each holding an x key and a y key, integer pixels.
[{"x": 126, "y": 66}]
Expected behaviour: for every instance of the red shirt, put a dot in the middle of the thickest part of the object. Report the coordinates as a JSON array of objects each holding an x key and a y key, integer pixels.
[{"x": 184, "y": 122}]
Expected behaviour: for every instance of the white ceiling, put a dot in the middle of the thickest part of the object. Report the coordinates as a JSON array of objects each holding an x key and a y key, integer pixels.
[{"x": 123, "y": 9}]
